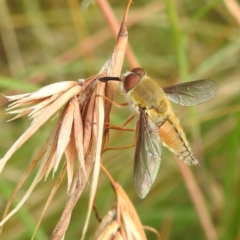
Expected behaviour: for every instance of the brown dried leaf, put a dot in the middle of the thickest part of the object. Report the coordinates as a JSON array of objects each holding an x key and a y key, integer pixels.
[
  {"x": 88, "y": 123},
  {"x": 23, "y": 113},
  {"x": 22, "y": 103},
  {"x": 79, "y": 183},
  {"x": 38, "y": 122},
  {"x": 70, "y": 153},
  {"x": 113, "y": 67},
  {"x": 16, "y": 97},
  {"x": 64, "y": 134},
  {"x": 50, "y": 154},
  {"x": 126, "y": 215},
  {"x": 78, "y": 133},
  {"x": 109, "y": 232},
  {"x": 234, "y": 8},
  {"x": 153, "y": 230},
  {"x": 44, "y": 104},
  {"x": 52, "y": 89},
  {"x": 98, "y": 132},
  {"x": 36, "y": 114},
  {"x": 130, "y": 217},
  {"x": 108, "y": 218}
]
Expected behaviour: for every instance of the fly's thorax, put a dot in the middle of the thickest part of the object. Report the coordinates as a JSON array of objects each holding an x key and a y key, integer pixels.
[
  {"x": 158, "y": 116},
  {"x": 158, "y": 107},
  {"x": 149, "y": 95}
]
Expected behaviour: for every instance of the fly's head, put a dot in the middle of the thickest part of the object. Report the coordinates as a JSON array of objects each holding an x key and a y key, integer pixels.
[{"x": 131, "y": 78}]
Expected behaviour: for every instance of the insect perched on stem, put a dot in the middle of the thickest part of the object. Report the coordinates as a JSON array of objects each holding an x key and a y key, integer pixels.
[{"x": 157, "y": 122}]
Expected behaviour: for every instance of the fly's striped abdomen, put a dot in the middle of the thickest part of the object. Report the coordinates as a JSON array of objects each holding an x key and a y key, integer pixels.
[{"x": 173, "y": 137}]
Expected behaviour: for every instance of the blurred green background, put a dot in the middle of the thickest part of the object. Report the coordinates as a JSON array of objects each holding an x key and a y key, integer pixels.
[{"x": 43, "y": 42}]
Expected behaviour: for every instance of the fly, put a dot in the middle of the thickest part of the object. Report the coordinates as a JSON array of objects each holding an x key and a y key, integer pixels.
[{"x": 158, "y": 125}]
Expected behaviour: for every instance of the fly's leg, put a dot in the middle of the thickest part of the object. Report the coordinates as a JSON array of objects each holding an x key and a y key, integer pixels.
[
  {"x": 114, "y": 103},
  {"x": 128, "y": 121},
  {"x": 115, "y": 127},
  {"x": 96, "y": 212},
  {"x": 111, "y": 126},
  {"x": 120, "y": 93},
  {"x": 117, "y": 104},
  {"x": 126, "y": 146}
]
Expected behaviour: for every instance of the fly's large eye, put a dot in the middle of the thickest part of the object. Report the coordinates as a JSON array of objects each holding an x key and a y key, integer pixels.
[
  {"x": 130, "y": 81},
  {"x": 139, "y": 71}
]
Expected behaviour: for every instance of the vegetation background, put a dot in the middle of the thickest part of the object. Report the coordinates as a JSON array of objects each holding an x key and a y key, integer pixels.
[{"x": 43, "y": 42}]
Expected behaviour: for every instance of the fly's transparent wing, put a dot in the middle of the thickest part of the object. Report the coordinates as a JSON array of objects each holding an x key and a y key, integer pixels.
[
  {"x": 191, "y": 93},
  {"x": 147, "y": 155}
]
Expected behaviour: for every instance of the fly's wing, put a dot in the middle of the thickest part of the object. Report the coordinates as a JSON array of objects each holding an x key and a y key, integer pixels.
[
  {"x": 147, "y": 155},
  {"x": 191, "y": 93}
]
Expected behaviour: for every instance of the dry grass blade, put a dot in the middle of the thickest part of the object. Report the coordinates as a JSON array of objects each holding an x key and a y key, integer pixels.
[
  {"x": 46, "y": 165},
  {"x": 78, "y": 128},
  {"x": 87, "y": 128},
  {"x": 111, "y": 68},
  {"x": 49, "y": 200},
  {"x": 23, "y": 179},
  {"x": 52, "y": 89},
  {"x": 198, "y": 202},
  {"x": 35, "y": 113},
  {"x": 78, "y": 185},
  {"x": 114, "y": 26},
  {"x": 71, "y": 153},
  {"x": 93, "y": 113},
  {"x": 64, "y": 134},
  {"x": 109, "y": 232},
  {"x": 116, "y": 60},
  {"x": 98, "y": 133},
  {"x": 59, "y": 139},
  {"x": 130, "y": 219},
  {"x": 130, "y": 226},
  {"x": 103, "y": 229},
  {"x": 24, "y": 198},
  {"x": 39, "y": 121},
  {"x": 234, "y": 9},
  {"x": 51, "y": 151},
  {"x": 154, "y": 231}
]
